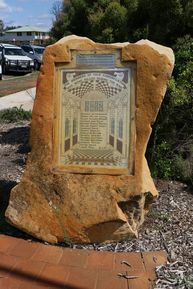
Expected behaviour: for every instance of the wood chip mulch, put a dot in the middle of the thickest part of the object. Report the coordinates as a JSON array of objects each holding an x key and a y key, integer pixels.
[{"x": 168, "y": 225}]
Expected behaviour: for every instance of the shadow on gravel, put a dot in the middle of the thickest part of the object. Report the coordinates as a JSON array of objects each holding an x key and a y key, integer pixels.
[
  {"x": 5, "y": 227},
  {"x": 21, "y": 162},
  {"x": 18, "y": 73},
  {"x": 18, "y": 136},
  {"x": 12, "y": 158},
  {"x": 5, "y": 188}
]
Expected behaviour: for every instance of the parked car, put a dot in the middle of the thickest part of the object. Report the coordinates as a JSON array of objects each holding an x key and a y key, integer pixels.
[
  {"x": 14, "y": 59},
  {"x": 0, "y": 66},
  {"x": 34, "y": 52}
]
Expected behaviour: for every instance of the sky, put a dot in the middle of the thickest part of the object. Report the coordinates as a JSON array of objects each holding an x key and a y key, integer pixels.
[{"x": 26, "y": 12}]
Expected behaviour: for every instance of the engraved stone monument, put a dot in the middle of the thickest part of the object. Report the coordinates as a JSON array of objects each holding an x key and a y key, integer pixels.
[{"x": 87, "y": 179}]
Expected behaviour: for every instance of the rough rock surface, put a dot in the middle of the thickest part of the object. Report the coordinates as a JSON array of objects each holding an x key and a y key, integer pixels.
[{"x": 70, "y": 207}]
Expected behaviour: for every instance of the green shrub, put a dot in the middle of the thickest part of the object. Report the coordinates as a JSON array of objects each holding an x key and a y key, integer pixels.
[
  {"x": 161, "y": 161},
  {"x": 170, "y": 150},
  {"x": 14, "y": 114},
  {"x": 183, "y": 164}
]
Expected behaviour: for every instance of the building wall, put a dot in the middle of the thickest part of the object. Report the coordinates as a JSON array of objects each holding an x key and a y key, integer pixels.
[{"x": 34, "y": 38}]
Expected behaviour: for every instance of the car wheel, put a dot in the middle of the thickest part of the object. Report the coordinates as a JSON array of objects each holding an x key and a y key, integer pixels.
[
  {"x": 3, "y": 69},
  {"x": 36, "y": 65}
]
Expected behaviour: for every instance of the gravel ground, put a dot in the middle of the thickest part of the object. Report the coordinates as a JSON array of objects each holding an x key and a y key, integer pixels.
[{"x": 168, "y": 226}]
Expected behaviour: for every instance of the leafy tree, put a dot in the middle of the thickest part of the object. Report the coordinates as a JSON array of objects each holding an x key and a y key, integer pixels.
[
  {"x": 56, "y": 10},
  {"x": 160, "y": 20},
  {"x": 1, "y": 26},
  {"x": 124, "y": 20},
  {"x": 72, "y": 20},
  {"x": 108, "y": 23},
  {"x": 170, "y": 151},
  {"x": 60, "y": 28},
  {"x": 101, "y": 20}
]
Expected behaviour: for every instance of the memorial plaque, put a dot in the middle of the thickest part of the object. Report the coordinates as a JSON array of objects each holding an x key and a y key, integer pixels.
[{"x": 95, "y": 113}]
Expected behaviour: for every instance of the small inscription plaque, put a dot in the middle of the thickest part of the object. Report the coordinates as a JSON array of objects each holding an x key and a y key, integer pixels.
[
  {"x": 95, "y": 117},
  {"x": 107, "y": 60}
]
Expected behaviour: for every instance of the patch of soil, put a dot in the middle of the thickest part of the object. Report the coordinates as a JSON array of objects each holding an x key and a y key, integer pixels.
[
  {"x": 168, "y": 225},
  {"x": 16, "y": 84}
]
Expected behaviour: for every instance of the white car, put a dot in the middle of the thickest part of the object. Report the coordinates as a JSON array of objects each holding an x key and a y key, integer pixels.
[
  {"x": 14, "y": 59},
  {"x": 0, "y": 70}
]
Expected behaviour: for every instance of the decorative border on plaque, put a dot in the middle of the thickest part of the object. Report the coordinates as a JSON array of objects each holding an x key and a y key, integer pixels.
[{"x": 95, "y": 117}]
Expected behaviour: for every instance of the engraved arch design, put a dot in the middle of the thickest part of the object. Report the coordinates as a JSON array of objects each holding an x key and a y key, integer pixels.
[{"x": 105, "y": 83}]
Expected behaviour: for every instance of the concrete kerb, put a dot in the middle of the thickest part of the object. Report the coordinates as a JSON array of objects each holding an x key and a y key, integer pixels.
[{"x": 24, "y": 99}]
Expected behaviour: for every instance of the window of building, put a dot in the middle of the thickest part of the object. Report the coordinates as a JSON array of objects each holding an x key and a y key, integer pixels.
[
  {"x": 29, "y": 34},
  {"x": 19, "y": 33}
]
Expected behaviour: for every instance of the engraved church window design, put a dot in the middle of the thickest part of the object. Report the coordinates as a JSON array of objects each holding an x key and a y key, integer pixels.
[
  {"x": 112, "y": 126},
  {"x": 75, "y": 132},
  {"x": 92, "y": 106},
  {"x": 120, "y": 131},
  {"x": 74, "y": 126},
  {"x": 87, "y": 106},
  {"x": 67, "y": 128},
  {"x": 100, "y": 106}
]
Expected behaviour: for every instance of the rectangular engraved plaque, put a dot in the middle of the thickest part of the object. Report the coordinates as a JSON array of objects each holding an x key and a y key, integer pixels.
[{"x": 95, "y": 115}]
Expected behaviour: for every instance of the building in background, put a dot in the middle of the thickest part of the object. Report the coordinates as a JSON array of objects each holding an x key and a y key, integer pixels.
[{"x": 26, "y": 35}]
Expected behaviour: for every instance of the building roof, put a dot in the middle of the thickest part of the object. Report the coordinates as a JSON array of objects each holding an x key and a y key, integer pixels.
[{"x": 28, "y": 29}]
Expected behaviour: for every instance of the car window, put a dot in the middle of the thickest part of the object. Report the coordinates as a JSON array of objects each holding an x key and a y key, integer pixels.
[
  {"x": 27, "y": 49},
  {"x": 39, "y": 50},
  {"x": 14, "y": 51}
]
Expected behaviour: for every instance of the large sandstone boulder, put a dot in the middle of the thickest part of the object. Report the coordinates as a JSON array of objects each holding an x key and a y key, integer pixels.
[{"x": 58, "y": 206}]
